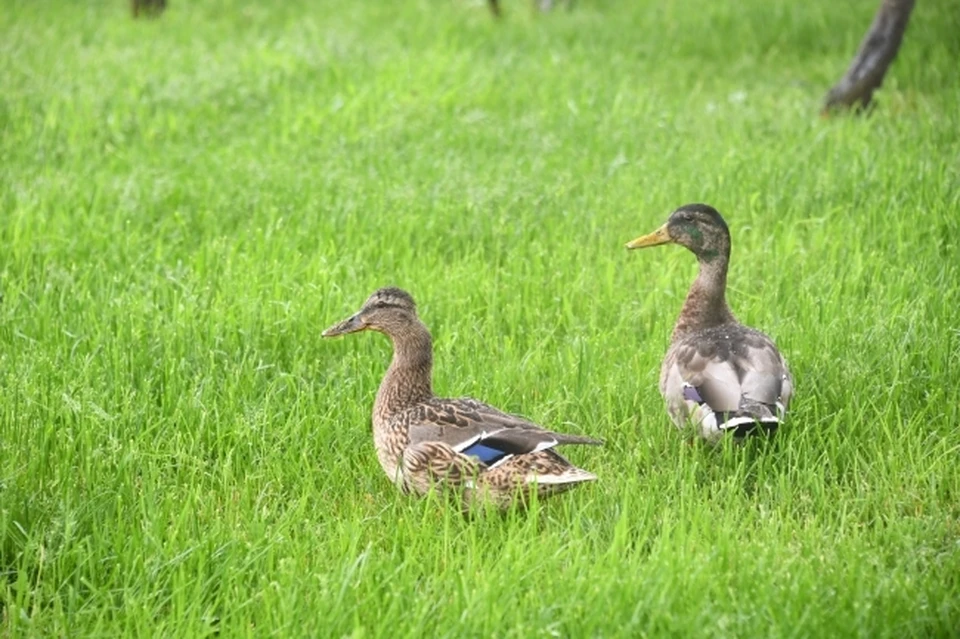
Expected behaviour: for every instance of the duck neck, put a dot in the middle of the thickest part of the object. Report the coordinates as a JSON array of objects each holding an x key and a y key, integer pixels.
[
  {"x": 407, "y": 380},
  {"x": 706, "y": 303}
]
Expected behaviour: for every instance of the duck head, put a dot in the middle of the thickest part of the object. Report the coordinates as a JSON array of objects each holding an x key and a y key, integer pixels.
[
  {"x": 698, "y": 227},
  {"x": 389, "y": 310}
]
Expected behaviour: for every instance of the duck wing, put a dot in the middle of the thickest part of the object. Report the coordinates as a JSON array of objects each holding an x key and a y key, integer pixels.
[
  {"x": 479, "y": 430},
  {"x": 727, "y": 377}
]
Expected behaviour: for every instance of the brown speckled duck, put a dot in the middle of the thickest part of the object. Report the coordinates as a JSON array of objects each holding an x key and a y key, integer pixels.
[
  {"x": 718, "y": 375},
  {"x": 424, "y": 441}
]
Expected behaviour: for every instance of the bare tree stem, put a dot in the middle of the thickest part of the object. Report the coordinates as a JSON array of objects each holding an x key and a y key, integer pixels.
[{"x": 877, "y": 51}]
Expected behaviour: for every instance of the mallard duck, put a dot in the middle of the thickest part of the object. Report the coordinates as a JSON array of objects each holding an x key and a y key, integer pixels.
[
  {"x": 423, "y": 441},
  {"x": 718, "y": 374}
]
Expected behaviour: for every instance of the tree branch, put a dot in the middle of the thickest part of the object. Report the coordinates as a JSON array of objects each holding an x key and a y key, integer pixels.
[{"x": 877, "y": 50}]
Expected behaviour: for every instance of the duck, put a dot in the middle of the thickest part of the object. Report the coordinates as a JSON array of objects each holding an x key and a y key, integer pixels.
[
  {"x": 718, "y": 375},
  {"x": 424, "y": 442}
]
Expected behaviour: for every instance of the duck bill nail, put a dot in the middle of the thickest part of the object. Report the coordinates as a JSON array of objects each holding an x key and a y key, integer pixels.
[
  {"x": 349, "y": 325},
  {"x": 660, "y": 236}
]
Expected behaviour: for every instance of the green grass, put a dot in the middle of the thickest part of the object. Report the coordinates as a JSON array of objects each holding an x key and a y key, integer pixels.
[{"x": 186, "y": 203}]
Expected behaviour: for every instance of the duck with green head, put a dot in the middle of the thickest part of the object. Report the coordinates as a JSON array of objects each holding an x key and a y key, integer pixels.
[
  {"x": 423, "y": 441},
  {"x": 718, "y": 375}
]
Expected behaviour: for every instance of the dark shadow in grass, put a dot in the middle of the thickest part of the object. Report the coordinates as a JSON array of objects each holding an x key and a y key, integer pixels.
[{"x": 747, "y": 457}]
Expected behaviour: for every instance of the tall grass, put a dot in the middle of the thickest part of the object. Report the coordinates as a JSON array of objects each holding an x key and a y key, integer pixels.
[{"x": 186, "y": 203}]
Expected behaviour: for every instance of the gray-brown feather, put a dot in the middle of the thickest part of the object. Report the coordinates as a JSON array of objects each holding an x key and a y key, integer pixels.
[
  {"x": 456, "y": 421},
  {"x": 428, "y": 464},
  {"x": 733, "y": 368},
  {"x": 431, "y": 465}
]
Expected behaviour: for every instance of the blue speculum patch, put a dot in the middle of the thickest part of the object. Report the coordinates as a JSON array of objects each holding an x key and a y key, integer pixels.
[{"x": 485, "y": 454}]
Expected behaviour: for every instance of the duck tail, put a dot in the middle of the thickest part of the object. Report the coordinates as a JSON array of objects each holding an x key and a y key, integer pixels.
[
  {"x": 751, "y": 418},
  {"x": 563, "y": 439}
]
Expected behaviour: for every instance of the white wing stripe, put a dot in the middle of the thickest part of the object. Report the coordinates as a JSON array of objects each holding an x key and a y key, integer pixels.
[
  {"x": 545, "y": 445},
  {"x": 467, "y": 443},
  {"x": 737, "y": 421},
  {"x": 499, "y": 461}
]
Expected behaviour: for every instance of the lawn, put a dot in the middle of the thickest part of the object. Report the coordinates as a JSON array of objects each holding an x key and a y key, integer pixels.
[{"x": 186, "y": 203}]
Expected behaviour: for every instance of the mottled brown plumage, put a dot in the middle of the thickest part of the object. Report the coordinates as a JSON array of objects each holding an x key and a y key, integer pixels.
[
  {"x": 718, "y": 374},
  {"x": 423, "y": 441}
]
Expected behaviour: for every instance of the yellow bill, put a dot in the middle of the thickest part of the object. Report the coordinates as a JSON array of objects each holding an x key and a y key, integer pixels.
[{"x": 660, "y": 236}]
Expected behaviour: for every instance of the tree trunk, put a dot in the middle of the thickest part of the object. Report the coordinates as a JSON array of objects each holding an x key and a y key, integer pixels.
[
  {"x": 877, "y": 51},
  {"x": 541, "y": 5},
  {"x": 151, "y": 8}
]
